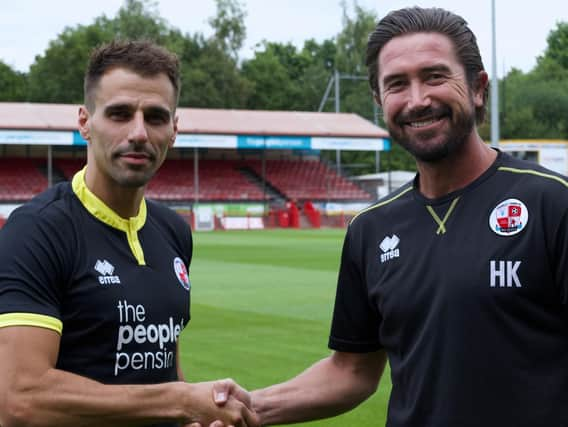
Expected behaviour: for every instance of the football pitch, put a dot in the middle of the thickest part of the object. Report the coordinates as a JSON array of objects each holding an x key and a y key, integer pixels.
[{"x": 261, "y": 309}]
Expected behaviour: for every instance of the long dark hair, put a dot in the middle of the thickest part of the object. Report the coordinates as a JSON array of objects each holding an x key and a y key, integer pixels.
[{"x": 428, "y": 20}]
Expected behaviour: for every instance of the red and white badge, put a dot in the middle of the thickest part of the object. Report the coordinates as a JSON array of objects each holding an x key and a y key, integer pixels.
[
  {"x": 181, "y": 273},
  {"x": 510, "y": 217}
]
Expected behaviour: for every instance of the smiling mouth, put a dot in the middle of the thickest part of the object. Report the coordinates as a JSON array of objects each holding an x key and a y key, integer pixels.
[
  {"x": 424, "y": 118},
  {"x": 423, "y": 123}
]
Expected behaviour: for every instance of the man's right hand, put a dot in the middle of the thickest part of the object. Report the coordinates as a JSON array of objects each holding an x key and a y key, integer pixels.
[{"x": 221, "y": 403}]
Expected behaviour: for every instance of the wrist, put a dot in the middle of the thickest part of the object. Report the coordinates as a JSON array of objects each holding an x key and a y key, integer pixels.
[
  {"x": 184, "y": 398},
  {"x": 257, "y": 406}
]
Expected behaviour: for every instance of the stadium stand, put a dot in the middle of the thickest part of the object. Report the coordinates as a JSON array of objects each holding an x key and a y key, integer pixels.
[
  {"x": 303, "y": 180},
  {"x": 288, "y": 185},
  {"x": 68, "y": 167},
  {"x": 299, "y": 180},
  {"x": 251, "y": 163},
  {"x": 20, "y": 179},
  {"x": 218, "y": 180}
]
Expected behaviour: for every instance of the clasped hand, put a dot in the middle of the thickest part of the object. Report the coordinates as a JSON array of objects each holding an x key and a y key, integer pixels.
[{"x": 229, "y": 405}]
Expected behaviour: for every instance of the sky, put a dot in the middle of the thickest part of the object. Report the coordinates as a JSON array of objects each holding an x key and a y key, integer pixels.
[{"x": 27, "y": 26}]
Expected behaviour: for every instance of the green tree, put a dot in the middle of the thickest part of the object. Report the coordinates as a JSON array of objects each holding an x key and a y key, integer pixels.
[
  {"x": 210, "y": 76},
  {"x": 535, "y": 104},
  {"x": 211, "y": 79},
  {"x": 272, "y": 86},
  {"x": 137, "y": 19},
  {"x": 557, "y": 46},
  {"x": 210, "y": 73},
  {"x": 12, "y": 84},
  {"x": 350, "y": 60},
  {"x": 540, "y": 110},
  {"x": 229, "y": 26},
  {"x": 553, "y": 64},
  {"x": 284, "y": 78},
  {"x": 352, "y": 40},
  {"x": 320, "y": 66},
  {"x": 57, "y": 75}
]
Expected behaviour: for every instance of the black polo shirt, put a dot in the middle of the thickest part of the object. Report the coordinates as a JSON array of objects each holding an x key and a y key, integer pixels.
[
  {"x": 468, "y": 296},
  {"x": 116, "y": 290}
]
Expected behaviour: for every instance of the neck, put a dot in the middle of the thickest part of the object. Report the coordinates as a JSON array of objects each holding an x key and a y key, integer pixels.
[
  {"x": 457, "y": 170},
  {"x": 124, "y": 201}
]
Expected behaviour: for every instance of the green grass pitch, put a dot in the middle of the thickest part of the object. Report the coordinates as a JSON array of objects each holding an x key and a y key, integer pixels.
[{"x": 261, "y": 310}]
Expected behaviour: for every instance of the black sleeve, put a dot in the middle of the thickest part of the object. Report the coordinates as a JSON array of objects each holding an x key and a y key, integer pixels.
[
  {"x": 355, "y": 322},
  {"x": 33, "y": 264},
  {"x": 188, "y": 246},
  {"x": 561, "y": 257},
  {"x": 187, "y": 259},
  {"x": 185, "y": 241}
]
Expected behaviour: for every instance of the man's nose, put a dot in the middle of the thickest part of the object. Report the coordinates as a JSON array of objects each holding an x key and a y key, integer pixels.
[
  {"x": 138, "y": 131},
  {"x": 418, "y": 96}
]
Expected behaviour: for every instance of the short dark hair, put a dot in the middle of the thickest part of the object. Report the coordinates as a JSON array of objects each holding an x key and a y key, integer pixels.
[
  {"x": 427, "y": 20},
  {"x": 140, "y": 56}
]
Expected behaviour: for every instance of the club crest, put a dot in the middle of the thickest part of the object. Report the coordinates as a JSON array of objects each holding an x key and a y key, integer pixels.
[
  {"x": 181, "y": 273},
  {"x": 509, "y": 217}
]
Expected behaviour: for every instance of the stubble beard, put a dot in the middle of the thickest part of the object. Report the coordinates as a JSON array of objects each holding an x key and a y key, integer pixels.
[
  {"x": 134, "y": 180},
  {"x": 432, "y": 147},
  {"x": 131, "y": 176},
  {"x": 134, "y": 177}
]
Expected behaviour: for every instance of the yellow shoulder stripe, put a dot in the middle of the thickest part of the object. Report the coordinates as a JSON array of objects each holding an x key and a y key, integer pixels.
[
  {"x": 384, "y": 202},
  {"x": 31, "y": 319},
  {"x": 536, "y": 173}
]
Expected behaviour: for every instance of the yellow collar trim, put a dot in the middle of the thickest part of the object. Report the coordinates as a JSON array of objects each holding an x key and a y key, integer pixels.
[
  {"x": 442, "y": 222},
  {"x": 103, "y": 213}
]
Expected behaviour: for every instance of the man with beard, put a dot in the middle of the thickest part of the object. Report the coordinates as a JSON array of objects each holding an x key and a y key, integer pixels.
[
  {"x": 459, "y": 278},
  {"x": 94, "y": 286}
]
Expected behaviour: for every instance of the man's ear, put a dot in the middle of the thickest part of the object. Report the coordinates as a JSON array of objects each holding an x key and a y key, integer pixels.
[
  {"x": 480, "y": 88},
  {"x": 83, "y": 122},
  {"x": 174, "y": 135},
  {"x": 377, "y": 98}
]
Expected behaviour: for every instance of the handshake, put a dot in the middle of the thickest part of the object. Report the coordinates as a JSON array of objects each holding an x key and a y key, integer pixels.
[{"x": 221, "y": 403}]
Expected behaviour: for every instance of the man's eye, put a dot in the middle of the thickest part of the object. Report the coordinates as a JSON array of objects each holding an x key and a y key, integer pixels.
[
  {"x": 156, "y": 119},
  {"x": 395, "y": 85},
  {"x": 119, "y": 115},
  {"x": 436, "y": 78}
]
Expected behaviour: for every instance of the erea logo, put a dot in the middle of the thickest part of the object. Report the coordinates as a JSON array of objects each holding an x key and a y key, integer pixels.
[
  {"x": 182, "y": 273},
  {"x": 106, "y": 271}
]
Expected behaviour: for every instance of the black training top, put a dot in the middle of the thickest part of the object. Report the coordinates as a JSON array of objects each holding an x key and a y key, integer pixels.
[
  {"x": 468, "y": 296},
  {"x": 116, "y": 290}
]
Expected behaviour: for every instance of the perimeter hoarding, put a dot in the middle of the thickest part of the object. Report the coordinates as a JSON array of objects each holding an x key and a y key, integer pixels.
[{"x": 266, "y": 142}]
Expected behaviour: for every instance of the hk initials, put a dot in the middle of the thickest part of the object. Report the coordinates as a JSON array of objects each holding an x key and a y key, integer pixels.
[{"x": 504, "y": 274}]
